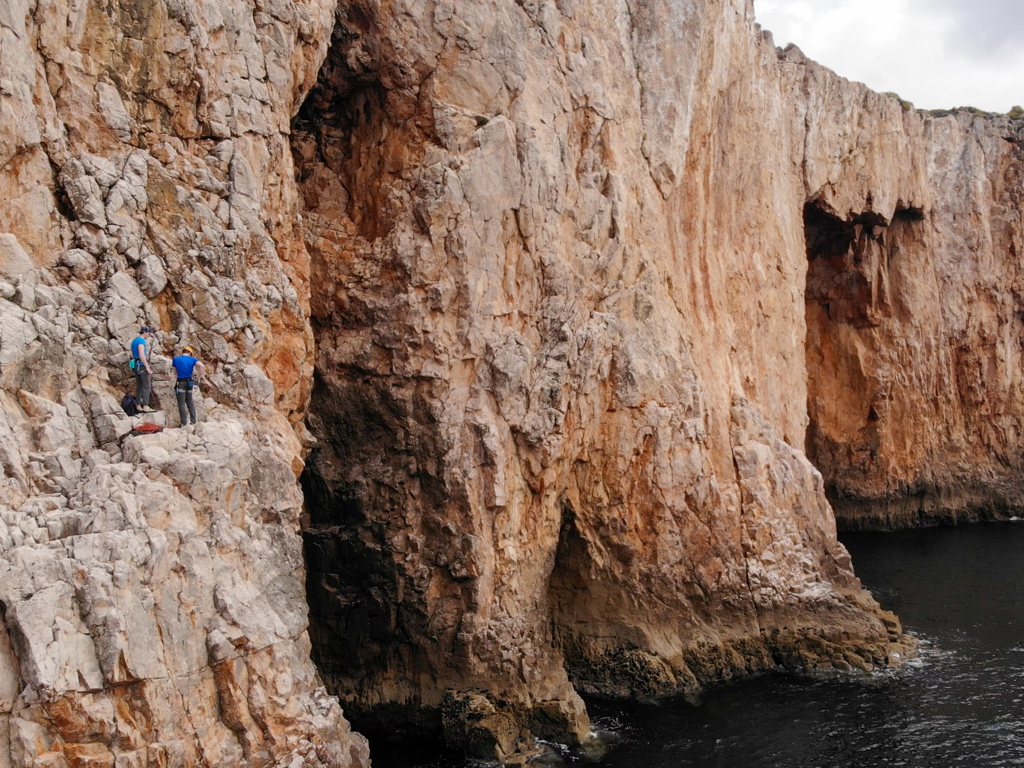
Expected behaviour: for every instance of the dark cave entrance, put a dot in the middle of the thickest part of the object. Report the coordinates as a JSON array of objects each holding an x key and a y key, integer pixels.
[
  {"x": 376, "y": 460},
  {"x": 857, "y": 266},
  {"x": 579, "y": 606},
  {"x": 569, "y": 585},
  {"x": 843, "y": 265},
  {"x": 360, "y": 625},
  {"x": 352, "y": 583}
]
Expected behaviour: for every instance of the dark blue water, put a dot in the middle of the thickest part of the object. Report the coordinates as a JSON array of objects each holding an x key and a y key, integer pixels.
[{"x": 960, "y": 703}]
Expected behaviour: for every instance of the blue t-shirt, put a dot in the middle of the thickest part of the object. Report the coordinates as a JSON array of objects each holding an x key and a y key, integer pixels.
[
  {"x": 184, "y": 364},
  {"x": 137, "y": 342}
]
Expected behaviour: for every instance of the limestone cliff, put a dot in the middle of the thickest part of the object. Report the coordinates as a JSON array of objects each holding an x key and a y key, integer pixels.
[
  {"x": 914, "y": 319},
  {"x": 151, "y": 588},
  {"x": 559, "y": 301},
  {"x": 574, "y": 277}
]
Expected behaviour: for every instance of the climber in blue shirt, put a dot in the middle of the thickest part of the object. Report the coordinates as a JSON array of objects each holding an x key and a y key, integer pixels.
[
  {"x": 140, "y": 366},
  {"x": 188, "y": 368}
]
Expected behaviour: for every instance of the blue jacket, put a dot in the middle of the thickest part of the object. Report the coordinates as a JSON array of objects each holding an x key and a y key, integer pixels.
[
  {"x": 184, "y": 364},
  {"x": 137, "y": 342}
]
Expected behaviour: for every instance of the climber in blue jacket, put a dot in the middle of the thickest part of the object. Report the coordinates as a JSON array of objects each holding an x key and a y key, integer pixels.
[
  {"x": 188, "y": 368},
  {"x": 140, "y": 367}
]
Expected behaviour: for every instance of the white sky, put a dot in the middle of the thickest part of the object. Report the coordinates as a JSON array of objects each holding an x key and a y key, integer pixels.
[{"x": 935, "y": 53}]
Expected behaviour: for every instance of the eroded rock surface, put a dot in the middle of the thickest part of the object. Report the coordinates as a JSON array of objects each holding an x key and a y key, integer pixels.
[
  {"x": 914, "y": 330},
  {"x": 151, "y": 587},
  {"x": 576, "y": 277},
  {"x": 559, "y": 300}
]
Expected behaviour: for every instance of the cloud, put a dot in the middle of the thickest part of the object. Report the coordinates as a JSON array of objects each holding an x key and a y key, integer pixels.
[
  {"x": 936, "y": 53},
  {"x": 981, "y": 27}
]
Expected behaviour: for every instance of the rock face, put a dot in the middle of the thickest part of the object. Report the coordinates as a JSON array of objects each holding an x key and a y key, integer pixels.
[
  {"x": 567, "y": 333},
  {"x": 576, "y": 280},
  {"x": 151, "y": 587},
  {"x": 914, "y": 331}
]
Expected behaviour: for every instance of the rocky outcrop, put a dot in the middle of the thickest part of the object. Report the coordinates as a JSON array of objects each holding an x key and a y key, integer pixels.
[
  {"x": 576, "y": 280},
  {"x": 151, "y": 587}
]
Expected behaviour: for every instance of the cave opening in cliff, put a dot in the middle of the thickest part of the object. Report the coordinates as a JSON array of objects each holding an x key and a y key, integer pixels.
[
  {"x": 841, "y": 257},
  {"x": 859, "y": 266},
  {"x": 572, "y": 595},
  {"x": 370, "y": 453},
  {"x": 349, "y": 586},
  {"x": 569, "y": 590},
  {"x": 850, "y": 262}
]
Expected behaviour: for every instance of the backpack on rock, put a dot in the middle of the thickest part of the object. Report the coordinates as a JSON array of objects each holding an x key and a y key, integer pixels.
[{"x": 128, "y": 405}]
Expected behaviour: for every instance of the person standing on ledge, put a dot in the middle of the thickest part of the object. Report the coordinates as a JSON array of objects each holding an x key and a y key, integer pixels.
[
  {"x": 188, "y": 368},
  {"x": 143, "y": 373}
]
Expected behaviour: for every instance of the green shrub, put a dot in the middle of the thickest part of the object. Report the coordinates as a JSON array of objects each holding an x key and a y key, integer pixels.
[
  {"x": 958, "y": 110},
  {"x": 904, "y": 104}
]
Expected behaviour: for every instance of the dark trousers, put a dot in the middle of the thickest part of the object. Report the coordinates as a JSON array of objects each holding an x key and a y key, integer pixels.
[
  {"x": 183, "y": 393},
  {"x": 143, "y": 381}
]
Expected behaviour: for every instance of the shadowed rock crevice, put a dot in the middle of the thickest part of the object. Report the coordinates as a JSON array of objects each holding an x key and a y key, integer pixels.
[
  {"x": 604, "y": 655},
  {"x": 853, "y": 284},
  {"x": 361, "y": 623},
  {"x": 600, "y": 657},
  {"x": 849, "y": 262},
  {"x": 867, "y": 280}
]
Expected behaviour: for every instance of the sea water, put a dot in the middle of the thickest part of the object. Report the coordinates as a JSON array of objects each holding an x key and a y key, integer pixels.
[{"x": 959, "y": 703}]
